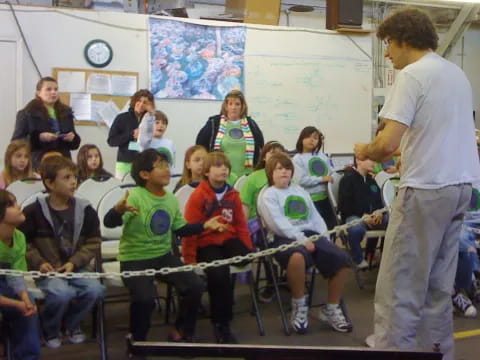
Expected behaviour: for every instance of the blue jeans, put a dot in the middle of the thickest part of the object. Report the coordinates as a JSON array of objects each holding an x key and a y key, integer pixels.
[
  {"x": 467, "y": 261},
  {"x": 356, "y": 234},
  {"x": 59, "y": 306},
  {"x": 22, "y": 330}
]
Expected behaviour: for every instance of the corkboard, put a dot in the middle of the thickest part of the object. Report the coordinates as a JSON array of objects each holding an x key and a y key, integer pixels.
[{"x": 120, "y": 101}]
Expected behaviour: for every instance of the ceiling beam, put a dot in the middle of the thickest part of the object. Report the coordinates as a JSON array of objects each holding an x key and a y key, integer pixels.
[{"x": 456, "y": 31}]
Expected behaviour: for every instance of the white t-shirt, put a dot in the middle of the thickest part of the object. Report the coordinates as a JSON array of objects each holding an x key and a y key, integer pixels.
[{"x": 433, "y": 97}]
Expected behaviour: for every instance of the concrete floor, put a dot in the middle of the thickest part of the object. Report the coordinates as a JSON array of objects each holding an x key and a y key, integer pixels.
[{"x": 360, "y": 307}]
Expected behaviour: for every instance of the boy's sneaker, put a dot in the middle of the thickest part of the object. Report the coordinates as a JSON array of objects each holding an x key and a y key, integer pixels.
[
  {"x": 76, "y": 336},
  {"x": 53, "y": 342},
  {"x": 363, "y": 265},
  {"x": 333, "y": 314},
  {"x": 299, "y": 317},
  {"x": 266, "y": 295},
  {"x": 464, "y": 305}
]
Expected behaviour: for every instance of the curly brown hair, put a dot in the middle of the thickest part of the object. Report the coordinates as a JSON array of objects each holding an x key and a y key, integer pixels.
[
  {"x": 410, "y": 26},
  {"x": 139, "y": 94}
]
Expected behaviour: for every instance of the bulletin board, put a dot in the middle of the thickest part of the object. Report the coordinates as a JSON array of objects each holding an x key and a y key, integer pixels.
[{"x": 78, "y": 82}]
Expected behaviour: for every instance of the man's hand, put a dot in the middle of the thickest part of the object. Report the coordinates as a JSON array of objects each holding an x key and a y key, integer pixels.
[
  {"x": 46, "y": 267},
  {"x": 215, "y": 224},
  {"x": 122, "y": 206},
  {"x": 360, "y": 150},
  {"x": 67, "y": 267}
]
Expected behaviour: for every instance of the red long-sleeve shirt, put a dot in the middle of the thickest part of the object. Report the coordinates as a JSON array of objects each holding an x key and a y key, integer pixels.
[{"x": 203, "y": 205}]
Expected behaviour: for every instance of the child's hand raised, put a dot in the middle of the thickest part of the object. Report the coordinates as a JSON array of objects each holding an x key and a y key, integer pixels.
[
  {"x": 215, "y": 225},
  {"x": 122, "y": 206}
]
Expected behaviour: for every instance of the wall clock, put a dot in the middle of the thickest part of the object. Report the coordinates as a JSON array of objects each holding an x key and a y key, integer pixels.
[{"x": 98, "y": 53}]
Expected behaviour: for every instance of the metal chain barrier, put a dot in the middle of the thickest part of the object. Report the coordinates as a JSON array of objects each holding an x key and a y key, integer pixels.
[{"x": 338, "y": 230}]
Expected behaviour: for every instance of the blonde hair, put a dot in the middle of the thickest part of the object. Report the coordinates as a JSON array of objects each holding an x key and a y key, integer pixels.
[
  {"x": 187, "y": 173},
  {"x": 235, "y": 94},
  {"x": 9, "y": 173}
]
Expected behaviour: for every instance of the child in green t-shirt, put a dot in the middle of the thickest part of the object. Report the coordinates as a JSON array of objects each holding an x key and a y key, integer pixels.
[
  {"x": 15, "y": 305},
  {"x": 150, "y": 215}
]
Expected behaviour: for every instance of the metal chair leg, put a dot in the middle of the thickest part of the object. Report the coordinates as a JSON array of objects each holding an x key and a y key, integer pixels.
[{"x": 256, "y": 310}]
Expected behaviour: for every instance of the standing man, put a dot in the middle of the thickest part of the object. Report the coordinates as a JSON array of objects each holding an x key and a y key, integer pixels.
[{"x": 429, "y": 114}]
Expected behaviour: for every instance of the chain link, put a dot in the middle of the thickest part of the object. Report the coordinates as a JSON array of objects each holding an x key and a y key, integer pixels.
[{"x": 338, "y": 230}]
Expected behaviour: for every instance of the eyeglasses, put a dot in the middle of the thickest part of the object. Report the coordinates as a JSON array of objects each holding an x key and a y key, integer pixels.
[
  {"x": 162, "y": 165},
  {"x": 387, "y": 42}
]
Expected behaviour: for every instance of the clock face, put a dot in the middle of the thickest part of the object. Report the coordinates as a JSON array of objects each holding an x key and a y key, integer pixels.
[{"x": 98, "y": 53}]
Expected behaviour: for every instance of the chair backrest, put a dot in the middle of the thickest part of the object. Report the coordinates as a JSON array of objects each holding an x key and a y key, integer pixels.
[
  {"x": 32, "y": 198},
  {"x": 333, "y": 189},
  {"x": 173, "y": 182},
  {"x": 383, "y": 176},
  {"x": 240, "y": 182},
  {"x": 93, "y": 190},
  {"x": 106, "y": 203},
  {"x": 389, "y": 191},
  {"x": 127, "y": 179},
  {"x": 23, "y": 189},
  {"x": 182, "y": 195}
]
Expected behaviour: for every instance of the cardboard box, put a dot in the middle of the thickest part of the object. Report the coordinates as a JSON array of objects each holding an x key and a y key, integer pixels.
[{"x": 255, "y": 11}]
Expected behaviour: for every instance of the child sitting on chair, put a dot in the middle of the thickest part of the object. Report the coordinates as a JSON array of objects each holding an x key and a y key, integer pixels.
[
  {"x": 63, "y": 234},
  {"x": 149, "y": 215},
  {"x": 290, "y": 213},
  {"x": 18, "y": 311},
  {"x": 215, "y": 197}
]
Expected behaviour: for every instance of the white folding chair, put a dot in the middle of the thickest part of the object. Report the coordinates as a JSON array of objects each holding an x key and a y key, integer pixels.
[
  {"x": 182, "y": 195},
  {"x": 389, "y": 191},
  {"x": 383, "y": 176},
  {"x": 333, "y": 189},
  {"x": 111, "y": 236},
  {"x": 127, "y": 179},
  {"x": 23, "y": 189},
  {"x": 240, "y": 182},
  {"x": 93, "y": 190},
  {"x": 32, "y": 198}
]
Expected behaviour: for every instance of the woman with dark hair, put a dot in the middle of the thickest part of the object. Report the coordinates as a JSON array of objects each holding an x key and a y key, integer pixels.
[
  {"x": 47, "y": 122},
  {"x": 124, "y": 131},
  {"x": 234, "y": 133}
]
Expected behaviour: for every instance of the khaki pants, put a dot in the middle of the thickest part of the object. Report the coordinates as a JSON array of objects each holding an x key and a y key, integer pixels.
[{"x": 413, "y": 306}]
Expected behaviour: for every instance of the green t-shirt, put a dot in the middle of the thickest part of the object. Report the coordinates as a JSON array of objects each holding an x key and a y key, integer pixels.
[
  {"x": 51, "y": 112},
  {"x": 250, "y": 190},
  {"x": 149, "y": 234},
  {"x": 233, "y": 145},
  {"x": 14, "y": 257}
]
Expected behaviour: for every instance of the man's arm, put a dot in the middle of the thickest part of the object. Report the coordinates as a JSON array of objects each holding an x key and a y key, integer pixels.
[{"x": 385, "y": 143}]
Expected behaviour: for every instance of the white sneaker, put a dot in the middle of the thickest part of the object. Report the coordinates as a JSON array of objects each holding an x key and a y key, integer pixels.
[
  {"x": 370, "y": 340},
  {"x": 53, "y": 343},
  {"x": 464, "y": 305},
  {"x": 363, "y": 265},
  {"x": 333, "y": 315},
  {"x": 76, "y": 336},
  {"x": 299, "y": 317}
]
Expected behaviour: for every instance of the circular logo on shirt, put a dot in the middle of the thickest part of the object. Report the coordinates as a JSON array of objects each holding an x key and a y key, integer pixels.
[
  {"x": 374, "y": 188},
  {"x": 166, "y": 153},
  {"x": 318, "y": 167},
  {"x": 296, "y": 207},
  {"x": 475, "y": 201},
  {"x": 236, "y": 133},
  {"x": 388, "y": 163},
  {"x": 160, "y": 222}
]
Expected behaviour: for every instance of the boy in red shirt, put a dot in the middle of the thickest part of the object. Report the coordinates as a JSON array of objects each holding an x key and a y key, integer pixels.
[{"x": 211, "y": 198}]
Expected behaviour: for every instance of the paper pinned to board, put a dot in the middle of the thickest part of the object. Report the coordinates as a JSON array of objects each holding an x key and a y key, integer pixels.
[
  {"x": 71, "y": 81},
  {"x": 108, "y": 112},
  {"x": 124, "y": 85},
  {"x": 81, "y": 104},
  {"x": 99, "y": 84}
]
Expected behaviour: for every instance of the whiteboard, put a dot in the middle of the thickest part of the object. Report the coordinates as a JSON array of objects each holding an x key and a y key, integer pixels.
[
  {"x": 293, "y": 78},
  {"x": 300, "y": 78}
]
